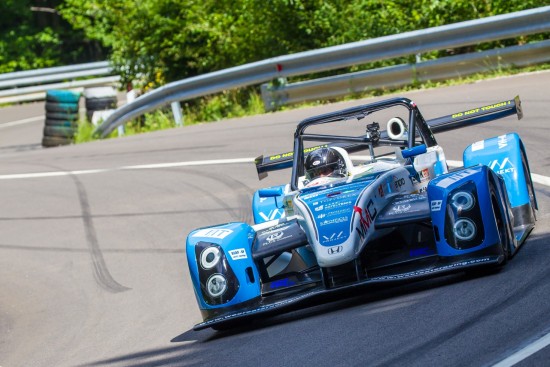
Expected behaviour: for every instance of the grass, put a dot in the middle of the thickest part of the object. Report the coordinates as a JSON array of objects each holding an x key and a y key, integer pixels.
[{"x": 248, "y": 102}]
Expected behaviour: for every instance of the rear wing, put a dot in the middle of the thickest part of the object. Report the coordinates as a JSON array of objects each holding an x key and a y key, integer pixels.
[
  {"x": 440, "y": 124},
  {"x": 477, "y": 115}
]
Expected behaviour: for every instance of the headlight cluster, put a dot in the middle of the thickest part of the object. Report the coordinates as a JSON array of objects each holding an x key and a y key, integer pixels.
[
  {"x": 218, "y": 281},
  {"x": 463, "y": 221}
]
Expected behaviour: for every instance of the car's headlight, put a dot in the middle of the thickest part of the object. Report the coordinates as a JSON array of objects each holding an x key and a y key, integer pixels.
[
  {"x": 210, "y": 257},
  {"x": 463, "y": 200},
  {"x": 464, "y": 229},
  {"x": 216, "y": 285}
]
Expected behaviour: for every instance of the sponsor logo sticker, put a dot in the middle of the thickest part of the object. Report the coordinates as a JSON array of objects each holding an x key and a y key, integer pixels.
[
  {"x": 478, "y": 145},
  {"x": 219, "y": 233},
  {"x": 238, "y": 254},
  {"x": 436, "y": 205}
]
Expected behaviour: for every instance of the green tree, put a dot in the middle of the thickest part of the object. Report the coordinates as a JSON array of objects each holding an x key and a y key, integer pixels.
[{"x": 35, "y": 36}]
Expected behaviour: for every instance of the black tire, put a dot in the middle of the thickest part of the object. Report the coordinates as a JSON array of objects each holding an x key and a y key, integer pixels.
[
  {"x": 61, "y": 123},
  {"x": 62, "y": 96},
  {"x": 59, "y": 131},
  {"x": 62, "y": 107},
  {"x": 62, "y": 116},
  {"x": 97, "y": 104},
  {"x": 53, "y": 141},
  {"x": 530, "y": 187},
  {"x": 502, "y": 227}
]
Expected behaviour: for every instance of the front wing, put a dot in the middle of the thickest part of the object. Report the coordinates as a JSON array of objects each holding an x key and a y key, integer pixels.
[{"x": 264, "y": 306}]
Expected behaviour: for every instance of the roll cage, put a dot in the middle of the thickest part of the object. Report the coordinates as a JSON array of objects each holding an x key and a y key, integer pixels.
[{"x": 373, "y": 138}]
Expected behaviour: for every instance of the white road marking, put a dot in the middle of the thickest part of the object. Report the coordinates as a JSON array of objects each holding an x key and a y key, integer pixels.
[
  {"x": 543, "y": 180},
  {"x": 21, "y": 122},
  {"x": 525, "y": 352},
  {"x": 138, "y": 167}
]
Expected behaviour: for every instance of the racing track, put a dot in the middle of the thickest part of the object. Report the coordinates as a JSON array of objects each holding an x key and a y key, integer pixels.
[{"x": 93, "y": 272}]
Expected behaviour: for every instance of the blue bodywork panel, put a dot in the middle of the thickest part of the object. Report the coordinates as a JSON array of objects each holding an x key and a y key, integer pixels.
[
  {"x": 440, "y": 190},
  {"x": 266, "y": 208},
  {"x": 234, "y": 240},
  {"x": 503, "y": 155}
]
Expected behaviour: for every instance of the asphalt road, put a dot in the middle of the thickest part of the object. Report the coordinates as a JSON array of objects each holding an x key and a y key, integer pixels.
[{"x": 93, "y": 270}]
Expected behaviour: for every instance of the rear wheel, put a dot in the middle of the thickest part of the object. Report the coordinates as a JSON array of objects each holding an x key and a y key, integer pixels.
[
  {"x": 529, "y": 183},
  {"x": 502, "y": 227}
]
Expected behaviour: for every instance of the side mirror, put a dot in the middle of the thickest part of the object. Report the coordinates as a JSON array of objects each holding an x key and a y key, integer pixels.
[
  {"x": 414, "y": 151},
  {"x": 270, "y": 192}
]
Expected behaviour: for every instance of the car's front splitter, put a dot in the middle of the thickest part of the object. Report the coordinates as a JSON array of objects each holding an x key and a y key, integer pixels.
[{"x": 273, "y": 304}]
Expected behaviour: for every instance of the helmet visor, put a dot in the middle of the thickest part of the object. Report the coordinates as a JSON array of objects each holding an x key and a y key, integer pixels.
[{"x": 321, "y": 171}]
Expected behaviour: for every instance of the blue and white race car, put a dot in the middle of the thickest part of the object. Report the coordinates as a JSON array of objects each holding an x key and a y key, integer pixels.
[{"x": 365, "y": 206}]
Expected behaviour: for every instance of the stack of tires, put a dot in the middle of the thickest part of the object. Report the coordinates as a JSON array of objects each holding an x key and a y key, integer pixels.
[
  {"x": 61, "y": 117},
  {"x": 99, "y": 99}
]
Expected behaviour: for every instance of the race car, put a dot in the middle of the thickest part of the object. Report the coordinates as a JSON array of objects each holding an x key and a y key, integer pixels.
[{"x": 366, "y": 205}]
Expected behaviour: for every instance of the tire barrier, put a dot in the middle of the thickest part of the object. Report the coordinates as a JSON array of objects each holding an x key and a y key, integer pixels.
[
  {"x": 99, "y": 99},
  {"x": 61, "y": 122}
]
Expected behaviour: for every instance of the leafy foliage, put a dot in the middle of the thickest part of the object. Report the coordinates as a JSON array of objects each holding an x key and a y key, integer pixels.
[
  {"x": 158, "y": 41},
  {"x": 35, "y": 36}
]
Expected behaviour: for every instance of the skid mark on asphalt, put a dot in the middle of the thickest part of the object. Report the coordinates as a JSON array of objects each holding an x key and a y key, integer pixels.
[
  {"x": 101, "y": 273},
  {"x": 244, "y": 194}
]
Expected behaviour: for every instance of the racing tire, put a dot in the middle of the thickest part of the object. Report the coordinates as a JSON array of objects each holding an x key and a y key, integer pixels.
[
  {"x": 62, "y": 116},
  {"x": 529, "y": 183},
  {"x": 62, "y": 96},
  {"x": 59, "y": 131},
  {"x": 54, "y": 141},
  {"x": 503, "y": 227},
  {"x": 68, "y": 108},
  {"x": 61, "y": 123},
  {"x": 104, "y": 103}
]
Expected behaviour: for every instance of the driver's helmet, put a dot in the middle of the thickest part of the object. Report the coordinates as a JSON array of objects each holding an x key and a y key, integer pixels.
[{"x": 324, "y": 162}]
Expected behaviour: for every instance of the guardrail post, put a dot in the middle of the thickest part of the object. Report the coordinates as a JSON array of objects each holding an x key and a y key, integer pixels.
[{"x": 178, "y": 116}]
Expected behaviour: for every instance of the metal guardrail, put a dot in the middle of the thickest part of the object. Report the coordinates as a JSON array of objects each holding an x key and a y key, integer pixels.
[
  {"x": 401, "y": 75},
  {"x": 12, "y": 85},
  {"x": 449, "y": 36}
]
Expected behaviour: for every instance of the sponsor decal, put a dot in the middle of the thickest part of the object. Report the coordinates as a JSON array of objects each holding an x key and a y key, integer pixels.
[
  {"x": 435, "y": 205},
  {"x": 219, "y": 233},
  {"x": 319, "y": 208},
  {"x": 502, "y": 167},
  {"x": 238, "y": 254},
  {"x": 448, "y": 181},
  {"x": 478, "y": 145},
  {"x": 398, "y": 183},
  {"x": 424, "y": 174},
  {"x": 272, "y": 215},
  {"x": 502, "y": 141},
  {"x": 334, "y": 221},
  {"x": 275, "y": 237},
  {"x": 366, "y": 217},
  {"x": 400, "y": 209},
  {"x": 335, "y": 250},
  {"x": 316, "y": 163},
  {"x": 321, "y": 216},
  {"x": 334, "y": 237}
]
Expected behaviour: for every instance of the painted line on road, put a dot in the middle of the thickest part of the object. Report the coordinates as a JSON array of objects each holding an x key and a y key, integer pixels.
[
  {"x": 21, "y": 122},
  {"x": 525, "y": 352},
  {"x": 543, "y": 180},
  {"x": 125, "y": 168}
]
